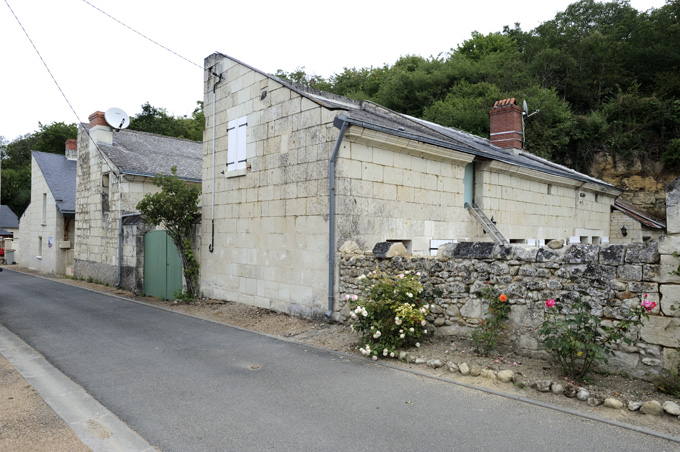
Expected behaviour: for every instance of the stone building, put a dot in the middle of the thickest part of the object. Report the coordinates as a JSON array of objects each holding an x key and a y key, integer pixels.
[
  {"x": 47, "y": 226},
  {"x": 289, "y": 173},
  {"x": 114, "y": 171}
]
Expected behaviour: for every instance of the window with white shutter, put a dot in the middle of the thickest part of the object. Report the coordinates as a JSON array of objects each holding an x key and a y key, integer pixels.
[{"x": 236, "y": 145}]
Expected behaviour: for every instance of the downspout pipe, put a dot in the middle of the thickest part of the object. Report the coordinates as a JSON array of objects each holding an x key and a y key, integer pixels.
[
  {"x": 120, "y": 232},
  {"x": 340, "y": 122},
  {"x": 211, "y": 248}
]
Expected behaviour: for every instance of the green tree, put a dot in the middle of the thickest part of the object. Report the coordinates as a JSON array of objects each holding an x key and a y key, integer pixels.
[
  {"x": 157, "y": 120},
  {"x": 16, "y": 160},
  {"x": 175, "y": 208}
]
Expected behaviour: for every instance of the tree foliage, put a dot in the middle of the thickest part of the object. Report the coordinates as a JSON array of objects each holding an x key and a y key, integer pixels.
[
  {"x": 16, "y": 160},
  {"x": 604, "y": 76},
  {"x": 157, "y": 120},
  {"x": 175, "y": 208}
]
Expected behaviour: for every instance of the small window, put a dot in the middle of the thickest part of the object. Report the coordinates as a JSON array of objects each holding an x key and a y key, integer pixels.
[
  {"x": 236, "y": 144},
  {"x": 550, "y": 189},
  {"x": 596, "y": 240},
  {"x": 39, "y": 256},
  {"x": 518, "y": 241}
]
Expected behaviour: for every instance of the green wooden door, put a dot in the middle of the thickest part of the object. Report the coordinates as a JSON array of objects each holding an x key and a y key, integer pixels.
[{"x": 162, "y": 266}]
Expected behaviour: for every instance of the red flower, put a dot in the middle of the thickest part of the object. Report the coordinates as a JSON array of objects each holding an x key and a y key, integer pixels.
[
  {"x": 503, "y": 297},
  {"x": 550, "y": 303}
]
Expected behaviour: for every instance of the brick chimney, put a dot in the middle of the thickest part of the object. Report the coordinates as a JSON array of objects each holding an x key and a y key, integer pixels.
[
  {"x": 100, "y": 131},
  {"x": 506, "y": 124},
  {"x": 71, "y": 149}
]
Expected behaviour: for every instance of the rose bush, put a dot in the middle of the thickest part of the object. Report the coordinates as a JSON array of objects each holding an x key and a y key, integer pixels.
[
  {"x": 486, "y": 335},
  {"x": 390, "y": 314},
  {"x": 577, "y": 338}
]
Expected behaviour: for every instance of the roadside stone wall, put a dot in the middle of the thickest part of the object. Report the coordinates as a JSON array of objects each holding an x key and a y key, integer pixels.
[{"x": 611, "y": 278}]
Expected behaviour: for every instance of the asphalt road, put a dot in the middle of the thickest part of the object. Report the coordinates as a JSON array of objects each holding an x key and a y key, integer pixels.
[{"x": 190, "y": 385}]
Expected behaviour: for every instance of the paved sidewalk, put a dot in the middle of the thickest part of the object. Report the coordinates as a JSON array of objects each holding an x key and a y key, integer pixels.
[{"x": 29, "y": 424}]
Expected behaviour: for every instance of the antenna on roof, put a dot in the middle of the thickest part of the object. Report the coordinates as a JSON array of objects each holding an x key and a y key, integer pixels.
[
  {"x": 525, "y": 115},
  {"x": 117, "y": 118}
]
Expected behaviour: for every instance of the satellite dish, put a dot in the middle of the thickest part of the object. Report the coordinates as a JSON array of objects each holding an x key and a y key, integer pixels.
[
  {"x": 117, "y": 118},
  {"x": 525, "y": 108}
]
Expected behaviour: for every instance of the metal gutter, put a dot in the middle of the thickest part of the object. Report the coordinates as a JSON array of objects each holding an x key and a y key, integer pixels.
[{"x": 341, "y": 123}]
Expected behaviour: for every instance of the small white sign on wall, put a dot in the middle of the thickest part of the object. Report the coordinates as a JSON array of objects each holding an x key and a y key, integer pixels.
[{"x": 49, "y": 242}]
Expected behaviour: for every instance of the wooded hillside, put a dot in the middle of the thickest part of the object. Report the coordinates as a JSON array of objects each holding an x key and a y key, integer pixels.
[{"x": 605, "y": 77}]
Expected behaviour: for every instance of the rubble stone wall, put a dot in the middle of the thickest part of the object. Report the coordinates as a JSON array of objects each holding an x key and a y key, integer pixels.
[{"x": 611, "y": 278}]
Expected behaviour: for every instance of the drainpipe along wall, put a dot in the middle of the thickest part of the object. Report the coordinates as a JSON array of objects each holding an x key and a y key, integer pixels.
[
  {"x": 211, "y": 248},
  {"x": 331, "y": 213}
]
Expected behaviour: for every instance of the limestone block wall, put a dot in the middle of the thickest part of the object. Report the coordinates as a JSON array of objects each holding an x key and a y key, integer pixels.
[
  {"x": 41, "y": 233},
  {"x": 270, "y": 219},
  {"x": 534, "y": 206},
  {"x": 98, "y": 197},
  {"x": 611, "y": 278},
  {"x": 387, "y": 193}
]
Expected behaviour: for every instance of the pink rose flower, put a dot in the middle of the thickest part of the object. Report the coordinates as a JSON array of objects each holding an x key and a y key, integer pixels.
[{"x": 550, "y": 303}]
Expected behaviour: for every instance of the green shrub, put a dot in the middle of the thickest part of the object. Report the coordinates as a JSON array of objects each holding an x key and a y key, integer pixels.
[
  {"x": 390, "y": 314},
  {"x": 485, "y": 336},
  {"x": 577, "y": 338}
]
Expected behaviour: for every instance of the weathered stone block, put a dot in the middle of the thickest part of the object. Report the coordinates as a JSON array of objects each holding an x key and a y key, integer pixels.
[
  {"x": 472, "y": 309},
  {"x": 504, "y": 251},
  {"x": 646, "y": 253},
  {"x": 630, "y": 272},
  {"x": 661, "y": 331},
  {"x": 581, "y": 254},
  {"x": 350, "y": 247},
  {"x": 549, "y": 255},
  {"x": 670, "y": 300},
  {"x": 673, "y": 207},
  {"x": 526, "y": 254},
  {"x": 668, "y": 265},
  {"x": 385, "y": 250},
  {"x": 612, "y": 254},
  {"x": 669, "y": 244}
]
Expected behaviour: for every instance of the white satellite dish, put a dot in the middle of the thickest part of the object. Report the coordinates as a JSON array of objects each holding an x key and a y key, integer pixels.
[
  {"x": 525, "y": 108},
  {"x": 117, "y": 118}
]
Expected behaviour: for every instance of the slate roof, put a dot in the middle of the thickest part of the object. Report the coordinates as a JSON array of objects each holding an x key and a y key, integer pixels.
[
  {"x": 376, "y": 117},
  {"x": 60, "y": 175},
  {"x": 147, "y": 154},
  {"x": 8, "y": 219},
  {"x": 638, "y": 214}
]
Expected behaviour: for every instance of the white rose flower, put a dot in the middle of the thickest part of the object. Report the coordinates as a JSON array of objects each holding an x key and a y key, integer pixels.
[
  {"x": 401, "y": 336},
  {"x": 417, "y": 344},
  {"x": 377, "y": 334},
  {"x": 374, "y": 358},
  {"x": 411, "y": 330},
  {"x": 409, "y": 294},
  {"x": 423, "y": 323},
  {"x": 391, "y": 354},
  {"x": 397, "y": 321},
  {"x": 385, "y": 351}
]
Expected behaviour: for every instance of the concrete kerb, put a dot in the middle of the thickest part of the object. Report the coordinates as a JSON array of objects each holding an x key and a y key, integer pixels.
[
  {"x": 399, "y": 368},
  {"x": 95, "y": 425}
]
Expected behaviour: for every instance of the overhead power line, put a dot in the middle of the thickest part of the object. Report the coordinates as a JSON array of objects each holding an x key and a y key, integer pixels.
[
  {"x": 87, "y": 131},
  {"x": 142, "y": 35},
  {"x": 43, "y": 62}
]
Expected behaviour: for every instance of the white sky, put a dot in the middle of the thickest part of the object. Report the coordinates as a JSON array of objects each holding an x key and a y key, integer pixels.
[{"x": 101, "y": 64}]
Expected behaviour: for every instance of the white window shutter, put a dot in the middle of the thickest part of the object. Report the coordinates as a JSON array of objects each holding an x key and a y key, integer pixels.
[
  {"x": 232, "y": 145},
  {"x": 241, "y": 148}
]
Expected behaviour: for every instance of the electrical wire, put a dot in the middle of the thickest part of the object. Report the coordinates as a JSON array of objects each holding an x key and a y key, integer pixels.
[
  {"x": 86, "y": 129},
  {"x": 142, "y": 35},
  {"x": 43, "y": 62}
]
